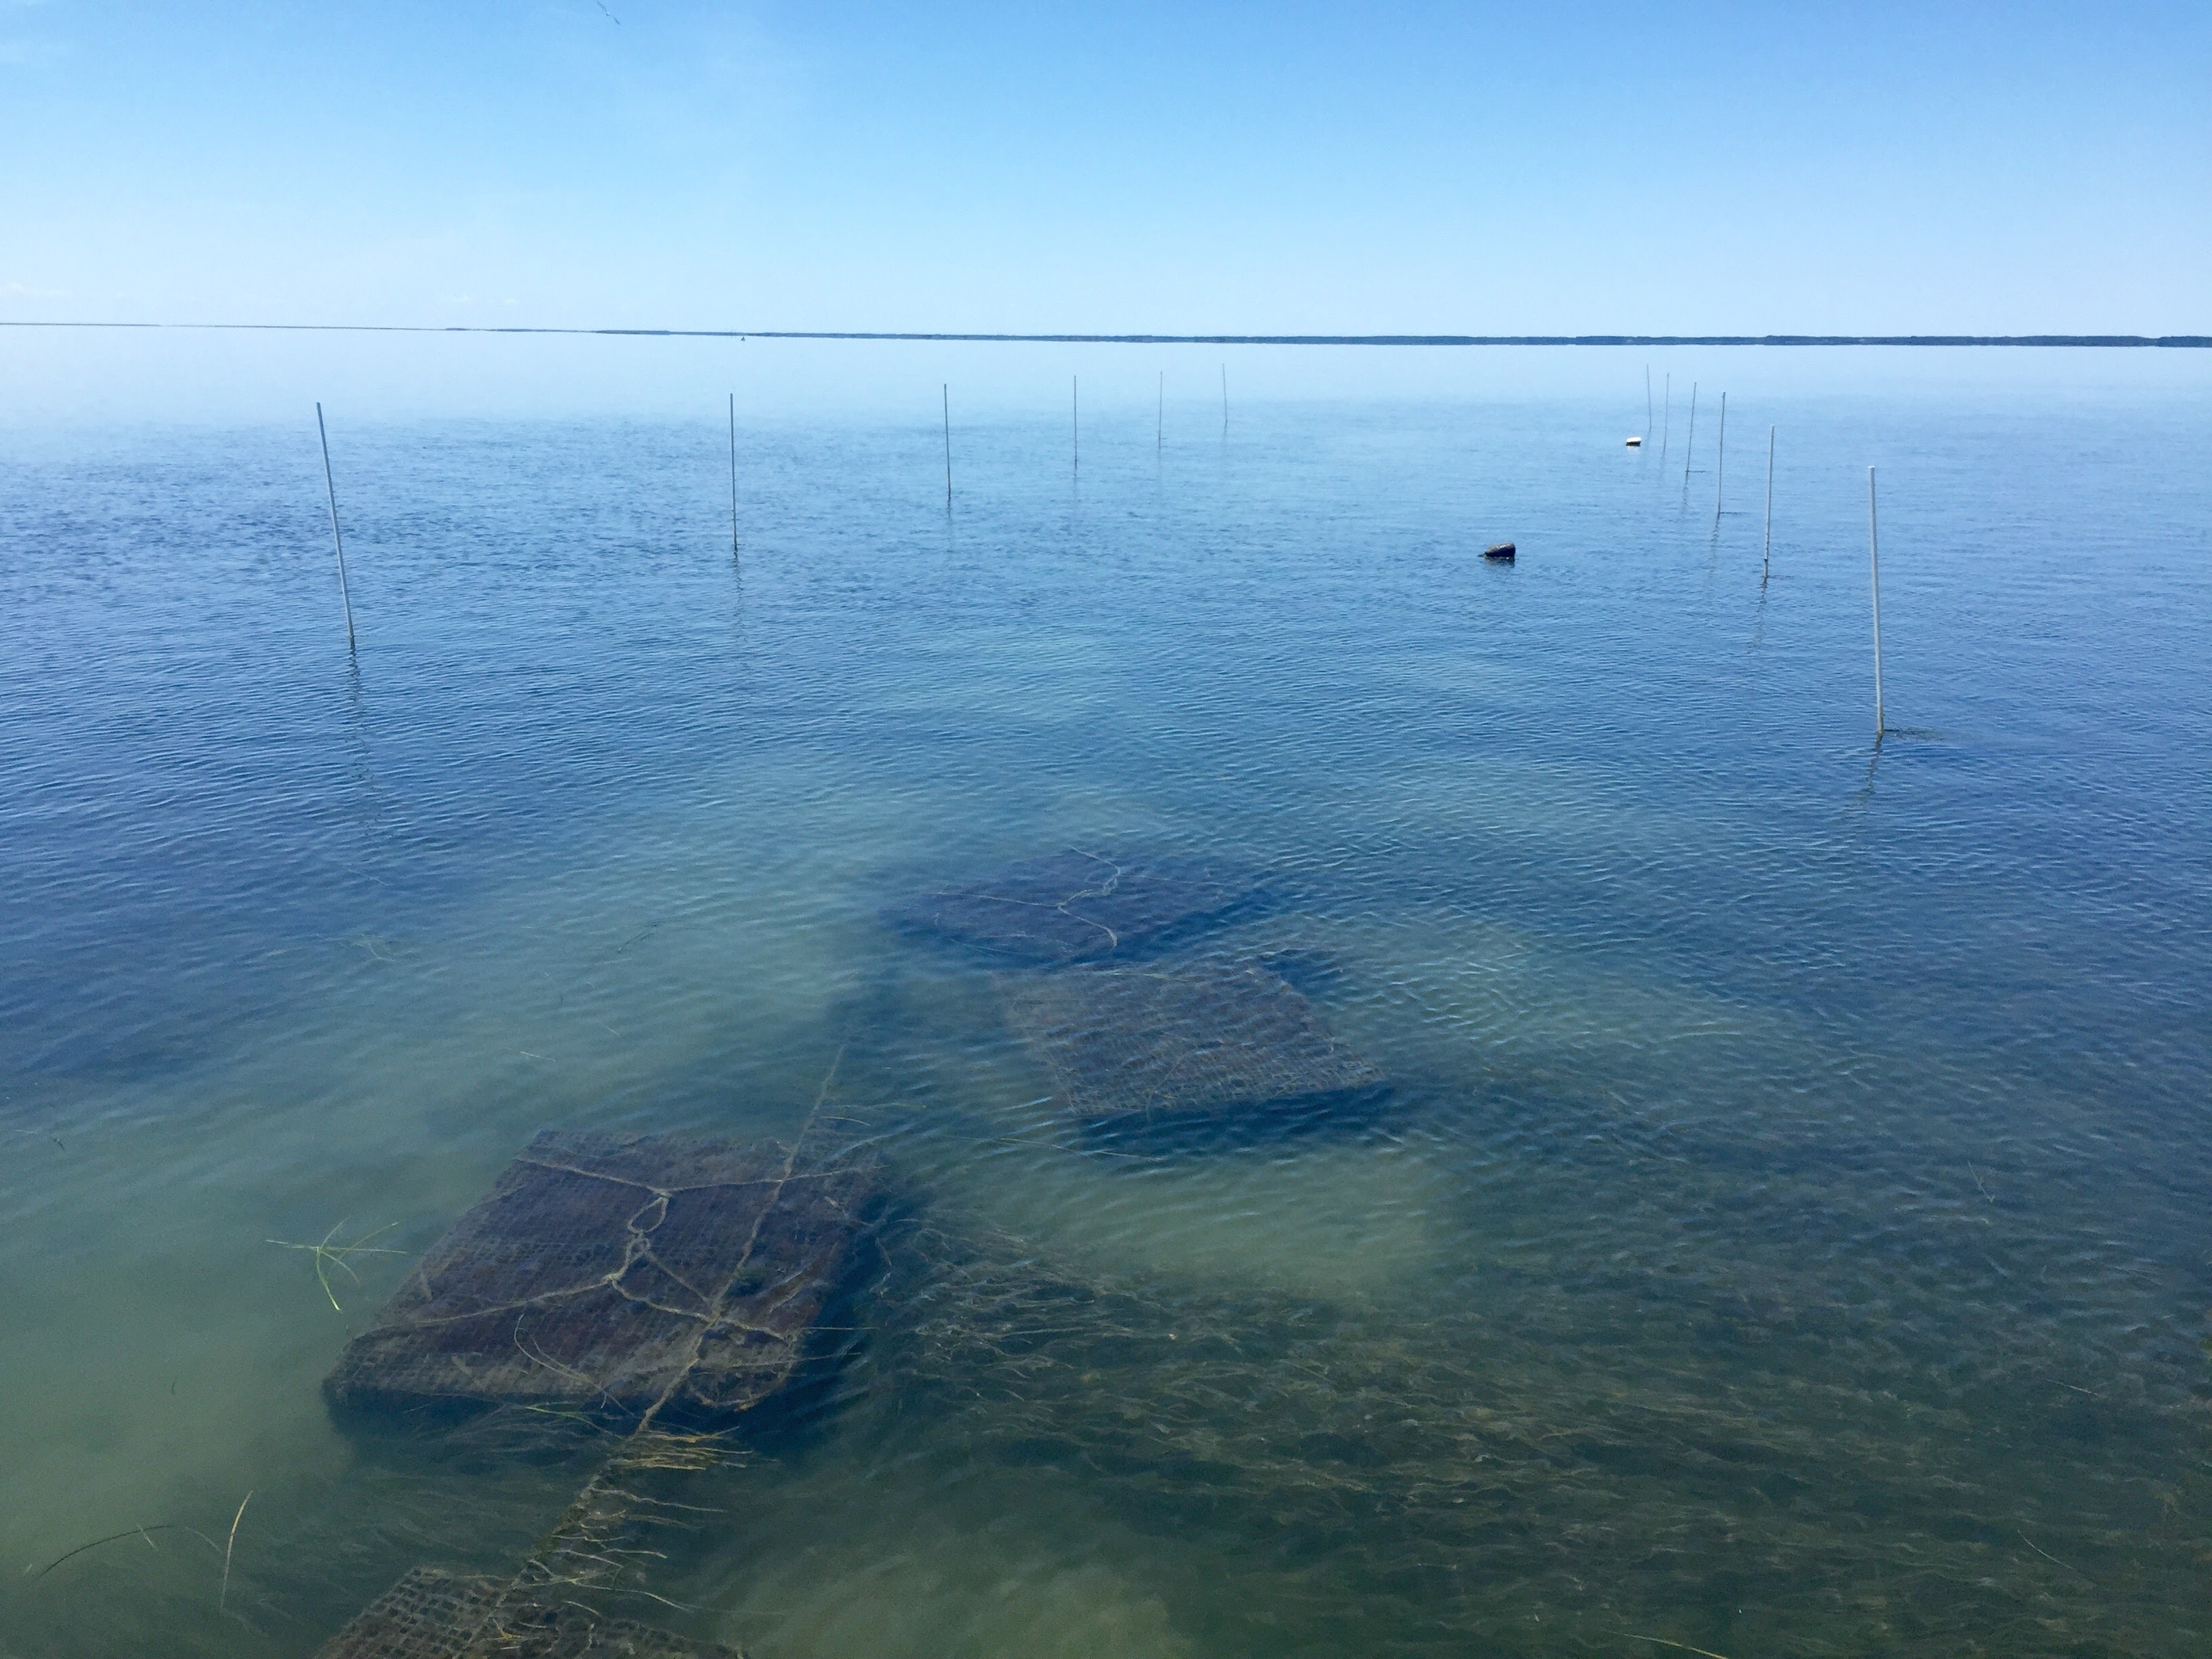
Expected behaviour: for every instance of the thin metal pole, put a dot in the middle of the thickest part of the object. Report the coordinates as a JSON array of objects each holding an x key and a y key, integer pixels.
[
  {"x": 948, "y": 447},
  {"x": 1647, "y": 400},
  {"x": 1720, "y": 458},
  {"x": 1873, "y": 559},
  {"x": 1690, "y": 443},
  {"x": 733, "y": 475},
  {"x": 1667, "y": 415},
  {"x": 1075, "y": 420},
  {"x": 337, "y": 541},
  {"x": 1766, "y": 554}
]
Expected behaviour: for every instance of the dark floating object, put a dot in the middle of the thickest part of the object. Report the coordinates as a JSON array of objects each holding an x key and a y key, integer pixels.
[
  {"x": 432, "y": 1614},
  {"x": 1501, "y": 551},
  {"x": 1636, "y": 443},
  {"x": 1075, "y": 906},
  {"x": 622, "y": 1274},
  {"x": 1129, "y": 1043}
]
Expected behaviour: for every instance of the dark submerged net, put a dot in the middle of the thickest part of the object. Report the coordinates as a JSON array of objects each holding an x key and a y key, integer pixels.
[
  {"x": 671, "y": 1284},
  {"x": 1075, "y": 906},
  {"x": 433, "y": 1615},
  {"x": 1172, "y": 1042},
  {"x": 622, "y": 1274}
]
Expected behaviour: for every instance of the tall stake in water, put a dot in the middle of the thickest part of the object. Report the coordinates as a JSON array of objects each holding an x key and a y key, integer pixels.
[
  {"x": 947, "y": 390},
  {"x": 1690, "y": 443},
  {"x": 1874, "y": 558},
  {"x": 1720, "y": 458},
  {"x": 1666, "y": 415},
  {"x": 337, "y": 540},
  {"x": 1766, "y": 554},
  {"x": 733, "y": 475}
]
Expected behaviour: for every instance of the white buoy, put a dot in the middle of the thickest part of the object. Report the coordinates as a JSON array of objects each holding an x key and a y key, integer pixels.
[{"x": 1636, "y": 443}]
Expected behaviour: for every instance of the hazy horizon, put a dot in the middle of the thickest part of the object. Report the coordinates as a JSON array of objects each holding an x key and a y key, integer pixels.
[{"x": 1417, "y": 169}]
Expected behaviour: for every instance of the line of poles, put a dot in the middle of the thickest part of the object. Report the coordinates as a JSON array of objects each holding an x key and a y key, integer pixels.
[
  {"x": 1074, "y": 434},
  {"x": 1766, "y": 543},
  {"x": 1159, "y": 440},
  {"x": 944, "y": 392}
]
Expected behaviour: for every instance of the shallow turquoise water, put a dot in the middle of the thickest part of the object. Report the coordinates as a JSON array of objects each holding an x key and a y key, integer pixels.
[{"x": 1785, "y": 1231}]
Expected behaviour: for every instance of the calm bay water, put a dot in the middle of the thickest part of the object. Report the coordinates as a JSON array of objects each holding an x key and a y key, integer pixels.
[{"x": 1786, "y": 1230}]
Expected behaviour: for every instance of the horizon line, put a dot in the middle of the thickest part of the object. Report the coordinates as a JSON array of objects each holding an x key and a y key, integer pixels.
[{"x": 2095, "y": 340}]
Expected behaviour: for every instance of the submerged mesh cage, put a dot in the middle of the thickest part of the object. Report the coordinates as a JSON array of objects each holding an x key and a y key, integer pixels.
[
  {"x": 1075, "y": 906},
  {"x": 433, "y": 1615},
  {"x": 622, "y": 1274},
  {"x": 1129, "y": 1043},
  {"x": 429, "y": 1615},
  {"x": 658, "y": 1279}
]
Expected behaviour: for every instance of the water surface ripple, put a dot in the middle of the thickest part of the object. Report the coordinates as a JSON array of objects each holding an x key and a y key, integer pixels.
[{"x": 1784, "y": 1232}]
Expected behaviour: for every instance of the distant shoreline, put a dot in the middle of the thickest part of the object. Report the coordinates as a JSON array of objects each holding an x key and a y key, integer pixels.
[{"x": 2097, "y": 340}]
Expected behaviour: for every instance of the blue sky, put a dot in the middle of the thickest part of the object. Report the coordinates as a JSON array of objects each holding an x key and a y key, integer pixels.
[{"x": 1479, "y": 168}]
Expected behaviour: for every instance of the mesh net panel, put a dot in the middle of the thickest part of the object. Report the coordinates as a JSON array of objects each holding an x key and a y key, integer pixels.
[
  {"x": 1127, "y": 1042},
  {"x": 666, "y": 1279},
  {"x": 616, "y": 1274},
  {"x": 1075, "y": 906},
  {"x": 433, "y": 1615}
]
